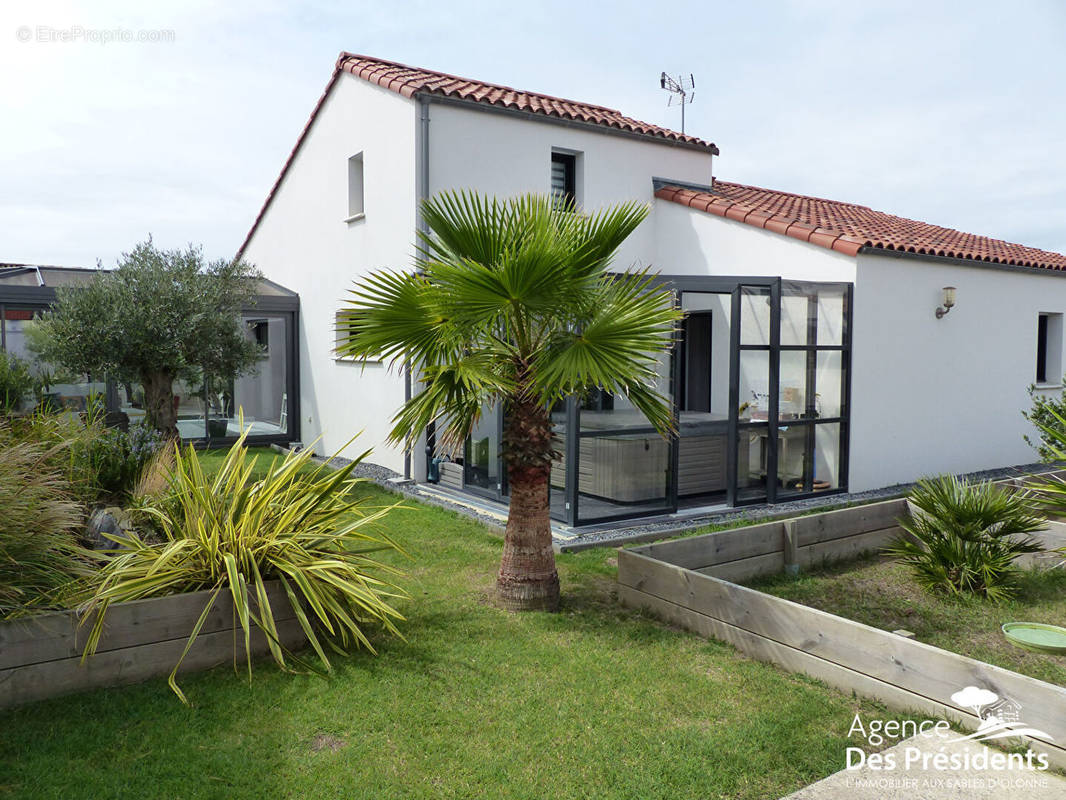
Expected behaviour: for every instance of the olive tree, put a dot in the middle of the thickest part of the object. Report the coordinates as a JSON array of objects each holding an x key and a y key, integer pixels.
[{"x": 160, "y": 315}]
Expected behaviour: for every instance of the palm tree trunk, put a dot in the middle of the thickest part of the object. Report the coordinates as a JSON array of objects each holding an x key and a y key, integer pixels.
[{"x": 528, "y": 580}]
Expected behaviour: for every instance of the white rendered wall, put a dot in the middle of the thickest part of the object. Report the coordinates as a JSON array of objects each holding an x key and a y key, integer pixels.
[
  {"x": 505, "y": 155},
  {"x": 304, "y": 244},
  {"x": 692, "y": 242},
  {"x": 935, "y": 395}
]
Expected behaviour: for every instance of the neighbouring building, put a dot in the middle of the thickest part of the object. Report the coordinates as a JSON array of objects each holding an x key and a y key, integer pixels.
[
  {"x": 827, "y": 347},
  {"x": 208, "y": 407}
]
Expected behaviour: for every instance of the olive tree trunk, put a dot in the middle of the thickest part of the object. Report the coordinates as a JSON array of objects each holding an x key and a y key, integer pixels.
[
  {"x": 528, "y": 580},
  {"x": 159, "y": 402}
]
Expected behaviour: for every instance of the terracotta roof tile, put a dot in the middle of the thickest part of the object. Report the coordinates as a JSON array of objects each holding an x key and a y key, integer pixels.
[
  {"x": 410, "y": 81},
  {"x": 848, "y": 227}
]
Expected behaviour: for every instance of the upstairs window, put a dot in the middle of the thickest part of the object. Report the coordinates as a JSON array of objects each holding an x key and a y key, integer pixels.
[
  {"x": 1049, "y": 349},
  {"x": 564, "y": 179},
  {"x": 355, "y": 187}
]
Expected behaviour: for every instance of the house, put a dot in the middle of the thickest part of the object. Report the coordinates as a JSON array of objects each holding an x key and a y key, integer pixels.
[{"x": 827, "y": 347}]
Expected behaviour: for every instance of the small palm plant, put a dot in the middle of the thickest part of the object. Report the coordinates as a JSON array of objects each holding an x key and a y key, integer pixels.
[
  {"x": 512, "y": 303},
  {"x": 231, "y": 533},
  {"x": 964, "y": 538}
]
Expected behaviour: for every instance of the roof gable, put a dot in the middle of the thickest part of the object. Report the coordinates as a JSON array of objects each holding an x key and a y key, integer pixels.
[
  {"x": 849, "y": 228},
  {"x": 411, "y": 82}
]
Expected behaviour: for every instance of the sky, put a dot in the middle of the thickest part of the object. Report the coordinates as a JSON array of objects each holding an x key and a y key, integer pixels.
[{"x": 124, "y": 119}]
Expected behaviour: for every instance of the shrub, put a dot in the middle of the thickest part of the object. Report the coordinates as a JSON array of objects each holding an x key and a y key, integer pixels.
[
  {"x": 298, "y": 524},
  {"x": 1048, "y": 415},
  {"x": 39, "y": 523},
  {"x": 99, "y": 464},
  {"x": 964, "y": 538},
  {"x": 16, "y": 381},
  {"x": 114, "y": 459},
  {"x": 1050, "y": 490}
]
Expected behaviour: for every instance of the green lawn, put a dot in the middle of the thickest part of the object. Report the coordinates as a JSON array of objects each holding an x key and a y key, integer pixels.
[
  {"x": 880, "y": 592},
  {"x": 596, "y": 701}
]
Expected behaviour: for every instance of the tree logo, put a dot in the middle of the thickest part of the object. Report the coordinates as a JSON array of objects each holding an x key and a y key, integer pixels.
[{"x": 1000, "y": 716}]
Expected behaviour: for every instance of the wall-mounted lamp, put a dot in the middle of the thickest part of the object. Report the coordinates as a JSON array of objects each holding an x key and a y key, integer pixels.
[{"x": 949, "y": 302}]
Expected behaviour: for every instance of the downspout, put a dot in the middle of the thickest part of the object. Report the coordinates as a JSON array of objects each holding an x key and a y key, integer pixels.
[{"x": 421, "y": 193}]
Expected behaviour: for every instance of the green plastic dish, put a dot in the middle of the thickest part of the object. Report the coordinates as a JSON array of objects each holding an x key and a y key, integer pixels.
[{"x": 1035, "y": 636}]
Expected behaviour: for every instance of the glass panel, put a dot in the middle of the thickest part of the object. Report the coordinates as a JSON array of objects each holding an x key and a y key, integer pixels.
[
  {"x": 59, "y": 388},
  {"x": 16, "y": 321},
  {"x": 557, "y": 482},
  {"x": 828, "y": 380},
  {"x": 792, "y": 401},
  {"x": 622, "y": 474},
  {"x": 832, "y": 307},
  {"x": 754, "y": 380},
  {"x": 802, "y": 469},
  {"x": 602, "y": 411},
  {"x": 796, "y": 311},
  {"x": 483, "y": 453},
  {"x": 751, "y": 462},
  {"x": 755, "y": 315},
  {"x": 263, "y": 393},
  {"x": 706, "y": 358},
  {"x": 812, "y": 314},
  {"x": 827, "y": 456},
  {"x": 792, "y": 458}
]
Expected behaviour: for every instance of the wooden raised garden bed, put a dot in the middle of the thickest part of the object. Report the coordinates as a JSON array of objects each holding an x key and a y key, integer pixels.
[
  {"x": 688, "y": 583},
  {"x": 41, "y": 656}
]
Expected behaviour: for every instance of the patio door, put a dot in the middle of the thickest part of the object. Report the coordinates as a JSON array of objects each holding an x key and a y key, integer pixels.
[{"x": 790, "y": 346}]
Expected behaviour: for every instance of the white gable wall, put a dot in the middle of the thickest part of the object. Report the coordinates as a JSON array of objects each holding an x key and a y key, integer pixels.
[
  {"x": 944, "y": 395},
  {"x": 303, "y": 243},
  {"x": 693, "y": 242},
  {"x": 504, "y": 155}
]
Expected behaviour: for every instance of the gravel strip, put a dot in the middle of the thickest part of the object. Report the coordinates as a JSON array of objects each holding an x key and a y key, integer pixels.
[{"x": 655, "y": 528}]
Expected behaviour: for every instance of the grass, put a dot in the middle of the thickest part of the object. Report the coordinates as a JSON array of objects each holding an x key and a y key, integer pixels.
[
  {"x": 595, "y": 701},
  {"x": 881, "y": 593}
]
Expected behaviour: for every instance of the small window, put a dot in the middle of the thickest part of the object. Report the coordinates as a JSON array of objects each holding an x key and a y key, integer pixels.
[
  {"x": 342, "y": 329},
  {"x": 355, "y": 187},
  {"x": 260, "y": 332},
  {"x": 564, "y": 179},
  {"x": 1049, "y": 348}
]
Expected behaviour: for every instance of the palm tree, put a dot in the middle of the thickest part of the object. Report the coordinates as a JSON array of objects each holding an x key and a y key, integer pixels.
[{"x": 511, "y": 303}]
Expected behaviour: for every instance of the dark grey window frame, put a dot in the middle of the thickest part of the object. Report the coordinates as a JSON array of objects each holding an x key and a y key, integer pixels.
[{"x": 570, "y": 513}]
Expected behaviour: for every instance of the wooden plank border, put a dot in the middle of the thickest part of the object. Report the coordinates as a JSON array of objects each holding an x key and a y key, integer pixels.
[
  {"x": 905, "y": 673},
  {"x": 41, "y": 656},
  {"x": 791, "y": 544}
]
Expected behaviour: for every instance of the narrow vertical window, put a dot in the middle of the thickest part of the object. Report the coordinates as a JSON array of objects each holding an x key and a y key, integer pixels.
[
  {"x": 355, "y": 186},
  {"x": 564, "y": 179},
  {"x": 1049, "y": 348}
]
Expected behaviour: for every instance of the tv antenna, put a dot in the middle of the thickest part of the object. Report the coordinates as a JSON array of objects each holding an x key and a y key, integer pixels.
[{"x": 682, "y": 92}]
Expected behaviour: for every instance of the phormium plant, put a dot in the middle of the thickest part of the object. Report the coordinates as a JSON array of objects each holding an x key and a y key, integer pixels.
[{"x": 233, "y": 532}]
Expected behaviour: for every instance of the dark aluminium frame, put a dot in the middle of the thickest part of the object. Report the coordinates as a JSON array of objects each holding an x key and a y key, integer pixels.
[
  {"x": 731, "y": 285},
  {"x": 40, "y": 298}
]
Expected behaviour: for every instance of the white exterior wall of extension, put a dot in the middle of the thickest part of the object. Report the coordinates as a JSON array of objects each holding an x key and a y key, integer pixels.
[
  {"x": 304, "y": 243},
  {"x": 944, "y": 395},
  {"x": 508, "y": 154},
  {"x": 693, "y": 242}
]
